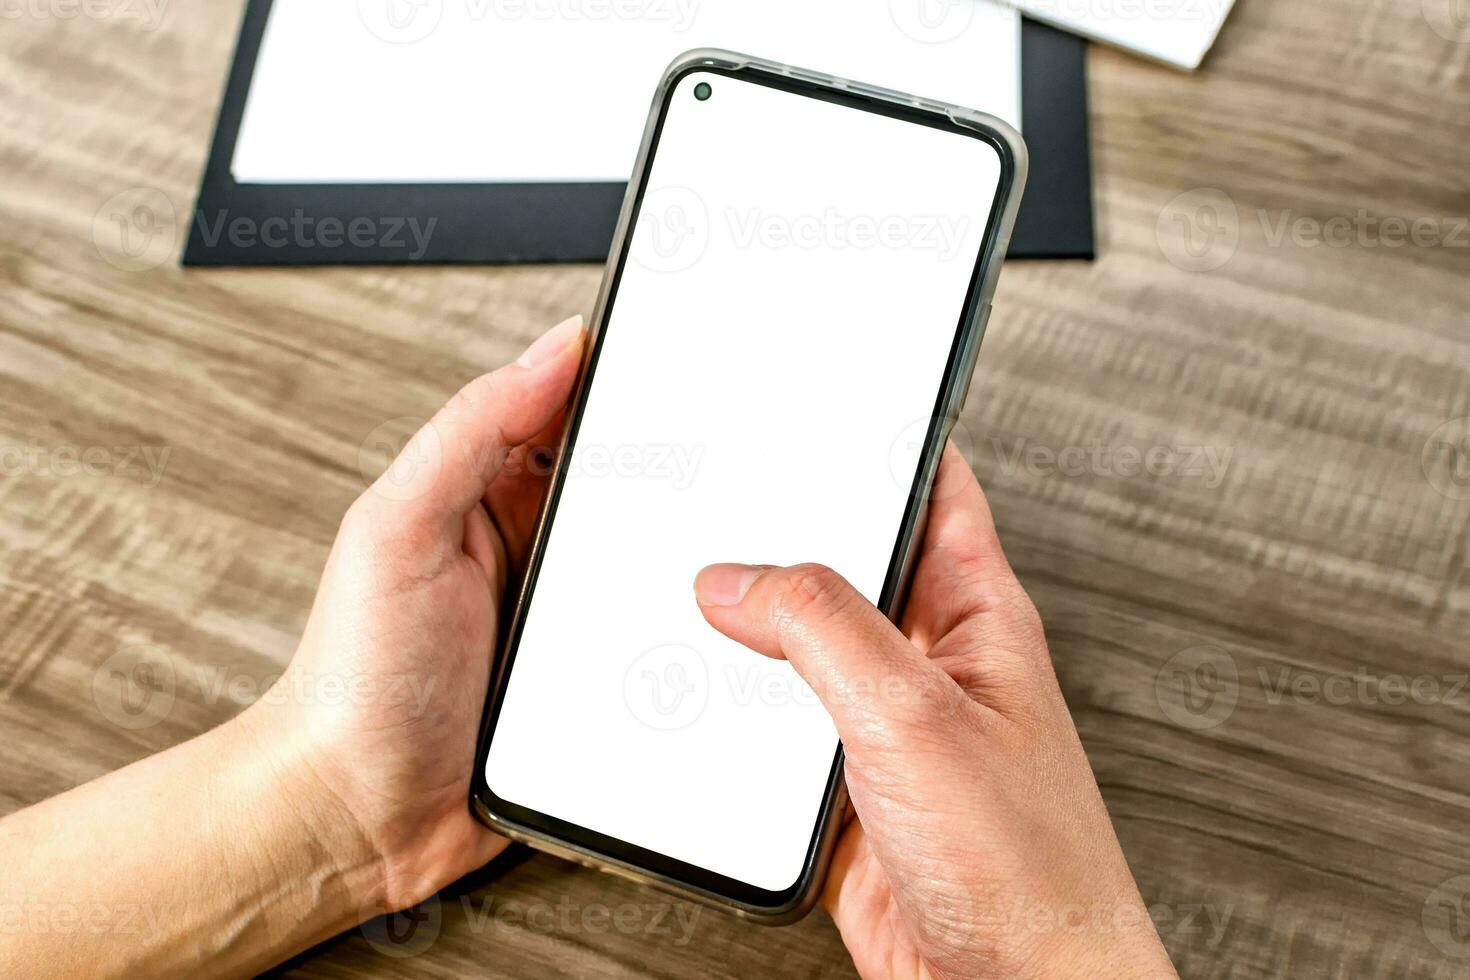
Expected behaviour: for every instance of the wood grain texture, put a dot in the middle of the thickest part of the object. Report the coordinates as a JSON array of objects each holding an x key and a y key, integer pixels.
[{"x": 1298, "y": 530}]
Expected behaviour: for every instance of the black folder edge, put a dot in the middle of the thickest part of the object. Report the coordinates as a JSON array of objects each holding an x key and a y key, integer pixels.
[{"x": 237, "y": 224}]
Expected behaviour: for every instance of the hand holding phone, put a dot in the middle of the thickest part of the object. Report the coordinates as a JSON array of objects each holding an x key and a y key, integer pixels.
[
  {"x": 981, "y": 849},
  {"x": 376, "y": 713},
  {"x": 979, "y": 843},
  {"x": 980, "y": 846}
]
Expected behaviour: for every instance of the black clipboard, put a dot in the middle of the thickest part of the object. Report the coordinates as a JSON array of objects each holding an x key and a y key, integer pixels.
[{"x": 236, "y": 224}]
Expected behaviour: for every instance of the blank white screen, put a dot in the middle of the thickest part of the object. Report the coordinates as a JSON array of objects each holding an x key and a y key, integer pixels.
[{"x": 774, "y": 352}]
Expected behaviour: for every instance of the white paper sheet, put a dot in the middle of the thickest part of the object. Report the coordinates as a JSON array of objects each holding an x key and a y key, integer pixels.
[
  {"x": 1177, "y": 32},
  {"x": 423, "y": 91}
]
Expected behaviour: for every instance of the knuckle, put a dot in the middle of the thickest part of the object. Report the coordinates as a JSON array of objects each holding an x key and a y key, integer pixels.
[
  {"x": 372, "y": 524},
  {"x": 1024, "y": 622},
  {"x": 809, "y": 592},
  {"x": 478, "y": 395},
  {"x": 473, "y": 396},
  {"x": 363, "y": 526},
  {"x": 359, "y": 517}
]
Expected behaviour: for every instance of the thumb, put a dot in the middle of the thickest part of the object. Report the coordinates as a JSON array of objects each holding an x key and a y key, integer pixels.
[
  {"x": 447, "y": 466},
  {"x": 880, "y": 691}
]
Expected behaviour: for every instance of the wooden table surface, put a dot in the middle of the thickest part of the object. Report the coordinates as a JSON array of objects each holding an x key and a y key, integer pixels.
[{"x": 1230, "y": 459}]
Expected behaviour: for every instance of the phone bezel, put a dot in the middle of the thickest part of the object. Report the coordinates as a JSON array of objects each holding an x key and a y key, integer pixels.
[{"x": 588, "y": 846}]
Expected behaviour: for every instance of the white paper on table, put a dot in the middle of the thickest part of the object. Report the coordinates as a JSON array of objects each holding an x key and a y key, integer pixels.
[
  {"x": 1177, "y": 32},
  {"x": 424, "y": 91}
]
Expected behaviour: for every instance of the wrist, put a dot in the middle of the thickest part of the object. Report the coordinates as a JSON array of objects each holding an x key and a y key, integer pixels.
[{"x": 317, "y": 862}]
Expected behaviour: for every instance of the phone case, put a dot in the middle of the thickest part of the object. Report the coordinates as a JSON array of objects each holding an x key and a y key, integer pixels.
[{"x": 1012, "y": 152}]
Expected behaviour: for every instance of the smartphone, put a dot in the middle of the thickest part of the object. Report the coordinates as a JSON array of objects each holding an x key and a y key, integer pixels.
[{"x": 784, "y": 337}]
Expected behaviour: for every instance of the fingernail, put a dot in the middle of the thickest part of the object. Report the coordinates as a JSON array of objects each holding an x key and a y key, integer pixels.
[
  {"x": 552, "y": 342},
  {"x": 725, "y": 585}
]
